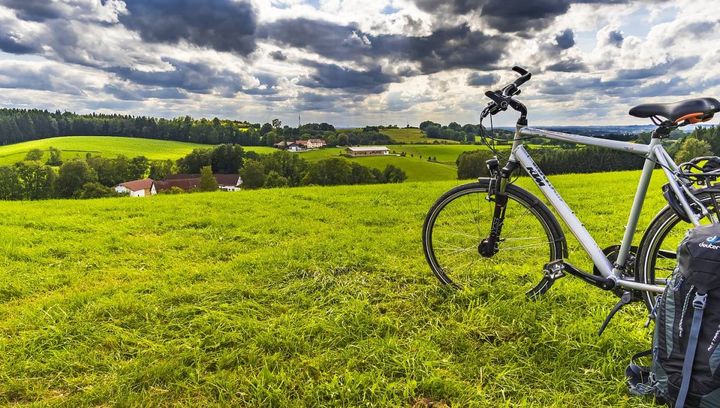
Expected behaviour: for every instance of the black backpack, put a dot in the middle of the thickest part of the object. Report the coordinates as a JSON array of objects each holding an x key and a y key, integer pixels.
[{"x": 685, "y": 354}]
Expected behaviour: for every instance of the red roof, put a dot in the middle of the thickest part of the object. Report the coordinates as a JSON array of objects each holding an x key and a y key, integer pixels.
[{"x": 137, "y": 185}]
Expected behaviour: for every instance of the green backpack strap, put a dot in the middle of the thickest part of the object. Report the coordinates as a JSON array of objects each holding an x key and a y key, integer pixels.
[{"x": 699, "y": 306}]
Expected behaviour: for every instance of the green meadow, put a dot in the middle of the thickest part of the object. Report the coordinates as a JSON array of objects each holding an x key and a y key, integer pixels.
[
  {"x": 296, "y": 297},
  {"x": 416, "y": 168},
  {"x": 107, "y": 146}
]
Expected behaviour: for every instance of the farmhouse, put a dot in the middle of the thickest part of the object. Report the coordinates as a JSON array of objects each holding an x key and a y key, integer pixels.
[
  {"x": 360, "y": 151},
  {"x": 301, "y": 145},
  {"x": 137, "y": 188},
  {"x": 187, "y": 182}
]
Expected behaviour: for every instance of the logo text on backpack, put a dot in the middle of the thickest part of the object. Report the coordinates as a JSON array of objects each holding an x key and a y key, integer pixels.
[{"x": 710, "y": 243}]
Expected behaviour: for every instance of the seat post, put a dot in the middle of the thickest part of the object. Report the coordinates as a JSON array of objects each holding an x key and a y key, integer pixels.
[{"x": 662, "y": 131}]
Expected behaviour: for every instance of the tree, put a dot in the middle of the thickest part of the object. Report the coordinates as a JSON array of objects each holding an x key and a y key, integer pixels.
[
  {"x": 394, "y": 174},
  {"x": 253, "y": 174},
  {"x": 207, "y": 180},
  {"x": 274, "y": 179},
  {"x": 692, "y": 148},
  {"x": 72, "y": 177},
  {"x": 329, "y": 172},
  {"x": 55, "y": 157},
  {"x": 10, "y": 186},
  {"x": 34, "y": 155},
  {"x": 472, "y": 164},
  {"x": 37, "y": 180},
  {"x": 138, "y": 167},
  {"x": 159, "y": 170},
  {"x": 194, "y": 161},
  {"x": 276, "y": 123},
  {"x": 227, "y": 158},
  {"x": 95, "y": 190}
]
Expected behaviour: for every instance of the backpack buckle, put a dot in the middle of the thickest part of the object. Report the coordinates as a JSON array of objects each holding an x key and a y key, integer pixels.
[{"x": 700, "y": 300}]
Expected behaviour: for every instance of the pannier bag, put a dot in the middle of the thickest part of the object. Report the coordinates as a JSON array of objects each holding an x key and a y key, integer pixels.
[{"x": 685, "y": 352}]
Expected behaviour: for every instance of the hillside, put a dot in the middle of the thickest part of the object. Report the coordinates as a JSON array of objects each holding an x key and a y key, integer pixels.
[
  {"x": 290, "y": 297},
  {"x": 108, "y": 146}
]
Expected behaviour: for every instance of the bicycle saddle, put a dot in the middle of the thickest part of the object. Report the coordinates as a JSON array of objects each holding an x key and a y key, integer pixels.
[{"x": 692, "y": 110}]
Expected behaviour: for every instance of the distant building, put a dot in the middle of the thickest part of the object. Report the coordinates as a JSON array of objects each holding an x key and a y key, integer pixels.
[
  {"x": 316, "y": 143},
  {"x": 187, "y": 182},
  {"x": 301, "y": 145},
  {"x": 137, "y": 188},
  {"x": 360, "y": 151}
]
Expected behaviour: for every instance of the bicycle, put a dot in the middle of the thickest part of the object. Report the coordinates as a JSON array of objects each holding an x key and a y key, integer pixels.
[{"x": 492, "y": 224}]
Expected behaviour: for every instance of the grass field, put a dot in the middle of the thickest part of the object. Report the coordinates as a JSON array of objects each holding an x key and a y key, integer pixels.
[
  {"x": 78, "y": 146},
  {"x": 412, "y": 135},
  {"x": 294, "y": 297},
  {"x": 107, "y": 146}
]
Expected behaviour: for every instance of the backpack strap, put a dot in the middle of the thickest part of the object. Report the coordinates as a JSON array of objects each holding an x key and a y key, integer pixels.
[
  {"x": 699, "y": 306},
  {"x": 639, "y": 378}
]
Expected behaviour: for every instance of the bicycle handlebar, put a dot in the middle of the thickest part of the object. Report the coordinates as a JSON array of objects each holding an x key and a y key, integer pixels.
[{"x": 503, "y": 98}]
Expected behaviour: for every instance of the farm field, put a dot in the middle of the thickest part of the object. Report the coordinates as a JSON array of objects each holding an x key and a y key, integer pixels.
[
  {"x": 416, "y": 168},
  {"x": 107, "y": 146},
  {"x": 295, "y": 297}
]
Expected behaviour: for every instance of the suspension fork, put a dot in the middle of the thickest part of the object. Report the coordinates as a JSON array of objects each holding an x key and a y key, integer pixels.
[{"x": 499, "y": 179}]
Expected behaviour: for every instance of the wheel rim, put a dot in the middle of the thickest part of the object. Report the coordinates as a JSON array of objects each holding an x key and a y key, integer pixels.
[
  {"x": 660, "y": 261},
  {"x": 458, "y": 224}
]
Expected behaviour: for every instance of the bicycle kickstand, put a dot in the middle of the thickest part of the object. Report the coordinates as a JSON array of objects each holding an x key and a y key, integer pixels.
[{"x": 551, "y": 272}]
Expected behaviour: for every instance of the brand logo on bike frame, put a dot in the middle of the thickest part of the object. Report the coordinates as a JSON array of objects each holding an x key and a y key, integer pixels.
[
  {"x": 535, "y": 175},
  {"x": 713, "y": 240}
]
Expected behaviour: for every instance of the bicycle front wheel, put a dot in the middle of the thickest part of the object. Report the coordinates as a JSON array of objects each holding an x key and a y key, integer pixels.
[{"x": 458, "y": 222}]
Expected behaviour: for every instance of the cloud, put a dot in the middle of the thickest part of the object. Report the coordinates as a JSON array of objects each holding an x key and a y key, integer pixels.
[
  {"x": 42, "y": 78},
  {"x": 615, "y": 38},
  {"x": 223, "y": 25},
  {"x": 569, "y": 65},
  {"x": 278, "y": 55},
  {"x": 444, "y": 49},
  {"x": 332, "y": 76},
  {"x": 565, "y": 39},
  {"x": 190, "y": 76},
  {"x": 477, "y": 79},
  {"x": 127, "y": 92}
]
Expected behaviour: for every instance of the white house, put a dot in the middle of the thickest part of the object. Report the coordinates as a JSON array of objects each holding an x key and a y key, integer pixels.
[
  {"x": 315, "y": 143},
  {"x": 360, "y": 151},
  {"x": 137, "y": 188}
]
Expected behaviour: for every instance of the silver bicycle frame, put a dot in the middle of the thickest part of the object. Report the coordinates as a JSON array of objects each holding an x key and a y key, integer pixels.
[{"x": 653, "y": 152}]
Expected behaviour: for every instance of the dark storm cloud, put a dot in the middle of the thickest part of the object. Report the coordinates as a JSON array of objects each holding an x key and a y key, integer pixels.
[
  {"x": 566, "y": 39},
  {"x": 444, "y": 49},
  {"x": 331, "y": 76},
  {"x": 477, "y": 79},
  {"x": 223, "y": 25}
]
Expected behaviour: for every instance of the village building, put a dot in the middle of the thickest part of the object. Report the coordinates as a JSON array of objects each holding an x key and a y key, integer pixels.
[
  {"x": 188, "y": 182},
  {"x": 137, "y": 188},
  {"x": 361, "y": 151},
  {"x": 301, "y": 145}
]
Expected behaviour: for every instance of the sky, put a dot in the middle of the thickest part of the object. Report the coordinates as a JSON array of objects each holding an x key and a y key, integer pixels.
[{"x": 356, "y": 62}]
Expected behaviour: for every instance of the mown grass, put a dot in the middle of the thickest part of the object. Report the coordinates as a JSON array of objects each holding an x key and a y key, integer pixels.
[
  {"x": 412, "y": 135},
  {"x": 294, "y": 297},
  {"x": 107, "y": 146}
]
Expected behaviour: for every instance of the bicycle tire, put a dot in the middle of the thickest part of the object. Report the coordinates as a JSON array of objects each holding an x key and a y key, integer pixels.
[
  {"x": 654, "y": 241},
  {"x": 557, "y": 246}
]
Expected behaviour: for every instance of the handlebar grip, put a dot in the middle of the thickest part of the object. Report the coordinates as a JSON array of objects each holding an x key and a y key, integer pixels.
[{"x": 524, "y": 78}]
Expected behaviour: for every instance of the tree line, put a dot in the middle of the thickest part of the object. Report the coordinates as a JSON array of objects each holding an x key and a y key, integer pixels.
[
  {"x": 96, "y": 176},
  {"x": 20, "y": 125}
]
